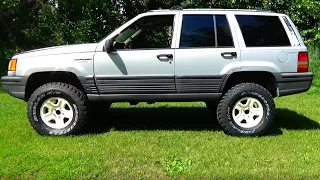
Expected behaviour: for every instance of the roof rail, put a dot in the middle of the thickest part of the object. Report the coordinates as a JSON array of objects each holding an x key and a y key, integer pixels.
[
  {"x": 212, "y": 9},
  {"x": 176, "y": 8}
]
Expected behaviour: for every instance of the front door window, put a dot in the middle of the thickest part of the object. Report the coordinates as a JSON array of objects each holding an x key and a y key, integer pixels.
[{"x": 148, "y": 32}]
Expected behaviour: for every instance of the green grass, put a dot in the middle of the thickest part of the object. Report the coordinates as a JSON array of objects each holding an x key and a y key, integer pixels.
[{"x": 164, "y": 141}]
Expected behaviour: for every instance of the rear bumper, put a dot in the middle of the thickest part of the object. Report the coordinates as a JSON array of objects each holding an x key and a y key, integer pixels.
[
  {"x": 14, "y": 85},
  {"x": 293, "y": 83}
]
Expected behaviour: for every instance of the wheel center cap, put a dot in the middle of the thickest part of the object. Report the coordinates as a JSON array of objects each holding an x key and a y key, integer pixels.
[
  {"x": 58, "y": 112},
  {"x": 246, "y": 111}
]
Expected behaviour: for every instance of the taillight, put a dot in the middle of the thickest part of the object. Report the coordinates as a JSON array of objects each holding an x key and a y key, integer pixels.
[{"x": 303, "y": 62}]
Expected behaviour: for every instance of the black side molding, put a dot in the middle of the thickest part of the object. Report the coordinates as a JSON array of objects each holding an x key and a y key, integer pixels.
[
  {"x": 185, "y": 97},
  {"x": 88, "y": 84},
  {"x": 199, "y": 83},
  {"x": 9, "y": 79},
  {"x": 135, "y": 84}
]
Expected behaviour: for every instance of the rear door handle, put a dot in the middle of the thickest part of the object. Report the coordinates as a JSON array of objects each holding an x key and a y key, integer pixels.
[
  {"x": 229, "y": 54},
  {"x": 165, "y": 57}
]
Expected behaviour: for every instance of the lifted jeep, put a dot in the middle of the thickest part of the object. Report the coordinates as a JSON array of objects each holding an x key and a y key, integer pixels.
[{"x": 236, "y": 61}]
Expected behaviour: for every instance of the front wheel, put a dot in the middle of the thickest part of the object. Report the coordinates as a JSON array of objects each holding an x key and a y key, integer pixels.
[
  {"x": 58, "y": 109},
  {"x": 246, "y": 110}
]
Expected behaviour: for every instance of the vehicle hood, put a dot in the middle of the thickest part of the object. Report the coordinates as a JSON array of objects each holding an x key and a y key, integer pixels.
[{"x": 77, "y": 48}]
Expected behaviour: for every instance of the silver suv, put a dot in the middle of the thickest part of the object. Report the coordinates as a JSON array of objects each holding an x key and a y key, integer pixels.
[{"x": 235, "y": 61}]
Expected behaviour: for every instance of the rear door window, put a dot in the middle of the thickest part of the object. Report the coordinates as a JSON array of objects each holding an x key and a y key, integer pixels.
[
  {"x": 197, "y": 31},
  {"x": 223, "y": 31},
  {"x": 205, "y": 31},
  {"x": 262, "y": 31}
]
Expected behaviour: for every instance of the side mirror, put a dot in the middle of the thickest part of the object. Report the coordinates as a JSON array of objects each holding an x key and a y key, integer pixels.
[{"x": 108, "y": 46}]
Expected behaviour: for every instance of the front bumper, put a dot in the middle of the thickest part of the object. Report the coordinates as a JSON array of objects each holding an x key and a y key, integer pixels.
[
  {"x": 14, "y": 85},
  {"x": 293, "y": 83}
]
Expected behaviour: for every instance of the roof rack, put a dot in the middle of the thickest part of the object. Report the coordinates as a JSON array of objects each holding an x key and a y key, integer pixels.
[
  {"x": 176, "y": 8},
  {"x": 212, "y": 9}
]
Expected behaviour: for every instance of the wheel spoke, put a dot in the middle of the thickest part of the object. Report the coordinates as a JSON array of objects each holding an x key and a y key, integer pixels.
[
  {"x": 68, "y": 114},
  {"x": 64, "y": 104},
  {"x": 60, "y": 102},
  {"x": 238, "y": 118},
  {"x": 49, "y": 117},
  {"x": 256, "y": 111},
  {"x": 60, "y": 122},
  {"x": 250, "y": 118},
  {"x": 49, "y": 105},
  {"x": 252, "y": 102},
  {"x": 248, "y": 103},
  {"x": 239, "y": 106}
]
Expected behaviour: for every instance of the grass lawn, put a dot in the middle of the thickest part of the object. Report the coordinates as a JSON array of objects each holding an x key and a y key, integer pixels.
[{"x": 164, "y": 141}]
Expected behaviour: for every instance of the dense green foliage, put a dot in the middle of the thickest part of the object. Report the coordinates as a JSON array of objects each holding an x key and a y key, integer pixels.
[{"x": 29, "y": 24}]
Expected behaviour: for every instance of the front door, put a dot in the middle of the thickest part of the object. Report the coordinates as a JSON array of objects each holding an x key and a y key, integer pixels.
[
  {"x": 143, "y": 60},
  {"x": 207, "y": 51}
]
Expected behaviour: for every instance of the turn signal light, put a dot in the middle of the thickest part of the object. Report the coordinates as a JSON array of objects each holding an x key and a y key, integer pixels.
[{"x": 12, "y": 65}]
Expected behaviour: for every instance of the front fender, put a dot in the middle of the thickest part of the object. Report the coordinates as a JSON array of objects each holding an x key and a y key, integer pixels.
[{"x": 81, "y": 64}]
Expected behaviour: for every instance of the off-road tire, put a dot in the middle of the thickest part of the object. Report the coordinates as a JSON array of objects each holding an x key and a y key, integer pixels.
[
  {"x": 72, "y": 95},
  {"x": 243, "y": 90}
]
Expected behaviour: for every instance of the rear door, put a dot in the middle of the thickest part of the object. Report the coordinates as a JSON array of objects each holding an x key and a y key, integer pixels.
[{"x": 206, "y": 50}]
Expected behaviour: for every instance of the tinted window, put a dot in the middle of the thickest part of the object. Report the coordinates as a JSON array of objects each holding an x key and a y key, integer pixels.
[
  {"x": 223, "y": 31},
  {"x": 262, "y": 31},
  {"x": 197, "y": 31},
  {"x": 147, "y": 32}
]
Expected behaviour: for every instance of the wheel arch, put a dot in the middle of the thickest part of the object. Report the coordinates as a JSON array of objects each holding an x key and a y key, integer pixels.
[
  {"x": 264, "y": 78},
  {"x": 38, "y": 79}
]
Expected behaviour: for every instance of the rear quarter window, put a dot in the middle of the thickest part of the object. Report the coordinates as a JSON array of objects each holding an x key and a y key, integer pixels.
[{"x": 262, "y": 31}]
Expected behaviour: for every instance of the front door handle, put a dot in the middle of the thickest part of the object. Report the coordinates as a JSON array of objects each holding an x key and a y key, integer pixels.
[
  {"x": 229, "y": 54},
  {"x": 165, "y": 57}
]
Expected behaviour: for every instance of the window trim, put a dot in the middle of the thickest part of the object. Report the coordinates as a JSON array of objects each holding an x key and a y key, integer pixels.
[
  {"x": 214, "y": 28},
  {"x": 291, "y": 33},
  {"x": 215, "y": 31}
]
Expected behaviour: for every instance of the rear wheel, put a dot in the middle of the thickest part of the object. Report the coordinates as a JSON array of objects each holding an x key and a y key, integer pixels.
[
  {"x": 58, "y": 109},
  {"x": 246, "y": 110}
]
